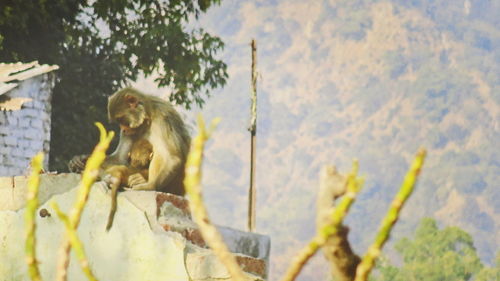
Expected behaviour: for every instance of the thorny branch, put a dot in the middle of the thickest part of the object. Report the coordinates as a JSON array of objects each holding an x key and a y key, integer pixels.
[
  {"x": 76, "y": 243},
  {"x": 30, "y": 215},
  {"x": 192, "y": 183},
  {"x": 337, "y": 249},
  {"x": 391, "y": 217},
  {"x": 329, "y": 229},
  {"x": 88, "y": 178}
]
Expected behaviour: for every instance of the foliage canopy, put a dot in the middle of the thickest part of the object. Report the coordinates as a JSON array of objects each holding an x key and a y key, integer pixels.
[
  {"x": 437, "y": 254},
  {"x": 99, "y": 46}
]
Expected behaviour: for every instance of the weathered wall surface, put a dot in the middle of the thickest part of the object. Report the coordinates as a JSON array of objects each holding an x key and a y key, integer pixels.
[
  {"x": 152, "y": 238},
  {"x": 26, "y": 131}
]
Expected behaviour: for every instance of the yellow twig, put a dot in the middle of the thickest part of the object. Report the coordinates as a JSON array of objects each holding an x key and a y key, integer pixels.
[
  {"x": 75, "y": 242},
  {"x": 192, "y": 183},
  {"x": 88, "y": 178},
  {"x": 328, "y": 230},
  {"x": 30, "y": 217},
  {"x": 366, "y": 265}
]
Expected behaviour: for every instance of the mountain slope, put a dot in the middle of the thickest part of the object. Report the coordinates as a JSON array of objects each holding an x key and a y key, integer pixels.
[{"x": 373, "y": 80}]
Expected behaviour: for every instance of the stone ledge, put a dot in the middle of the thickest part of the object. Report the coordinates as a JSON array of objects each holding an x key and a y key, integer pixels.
[
  {"x": 252, "y": 265},
  {"x": 204, "y": 265},
  {"x": 13, "y": 189},
  {"x": 252, "y": 249},
  {"x": 193, "y": 235},
  {"x": 155, "y": 215},
  {"x": 178, "y": 201}
]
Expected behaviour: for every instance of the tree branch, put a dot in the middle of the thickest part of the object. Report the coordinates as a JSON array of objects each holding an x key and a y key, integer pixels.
[
  {"x": 192, "y": 183},
  {"x": 88, "y": 178},
  {"x": 76, "y": 243},
  {"x": 30, "y": 217},
  {"x": 327, "y": 230},
  {"x": 337, "y": 249},
  {"x": 391, "y": 217}
]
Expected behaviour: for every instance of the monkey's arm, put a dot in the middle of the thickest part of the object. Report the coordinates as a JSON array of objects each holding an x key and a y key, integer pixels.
[
  {"x": 120, "y": 155},
  {"x": 116, "y": 176},
  {"x": 77, "y": 163},
  {"x": 161, "y": 172},
  {"x": 166, "y": 163},
  {"x": 157, "y": 168},
  {"x": 136, "y": 179}
]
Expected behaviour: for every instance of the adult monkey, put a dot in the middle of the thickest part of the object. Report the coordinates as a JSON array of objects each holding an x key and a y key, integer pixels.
[{"x": 142, "y": 116}]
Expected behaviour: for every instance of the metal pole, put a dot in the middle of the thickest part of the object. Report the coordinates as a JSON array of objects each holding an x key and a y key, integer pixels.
[{"x": 253, "y": 131}]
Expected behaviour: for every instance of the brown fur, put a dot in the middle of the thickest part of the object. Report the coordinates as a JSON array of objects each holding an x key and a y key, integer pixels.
[
  {"x": 144, "y": 116},
  {"x": 118, "y": 176}
]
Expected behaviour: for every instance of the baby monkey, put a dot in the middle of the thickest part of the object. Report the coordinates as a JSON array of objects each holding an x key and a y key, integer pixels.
[{"x": 117, "y": 176}]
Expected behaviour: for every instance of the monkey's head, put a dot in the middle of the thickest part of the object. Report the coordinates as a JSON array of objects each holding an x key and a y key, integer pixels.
[
  {"x": 140, "y": 154},
  {"x": 126, "y": 107}
]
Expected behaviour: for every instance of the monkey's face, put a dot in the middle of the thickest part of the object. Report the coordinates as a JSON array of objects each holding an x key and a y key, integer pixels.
[
  {"x": 130, "y": 114},
  {"x": 133, "y": 122}
]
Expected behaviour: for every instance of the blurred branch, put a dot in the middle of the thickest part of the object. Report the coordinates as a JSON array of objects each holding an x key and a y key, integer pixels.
[
  {"x": 337, "y": 249},
  {"x": 192, "y": 182},
  {"x": 75, "y": 242},
  {"x": 88, "y": 178},
  {"x": 30, "y": 216},
  {"x": 390, "y": 219},
  {"x": 329, "y": 229}
]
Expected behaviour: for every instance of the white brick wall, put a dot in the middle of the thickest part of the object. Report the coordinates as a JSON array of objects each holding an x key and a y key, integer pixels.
[{"x": 25, "y": 132}]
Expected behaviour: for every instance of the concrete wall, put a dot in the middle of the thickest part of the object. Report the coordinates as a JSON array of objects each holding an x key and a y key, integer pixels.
[
  {"x": 153, "y": 236},
  {"x": 25, "y": 132}
]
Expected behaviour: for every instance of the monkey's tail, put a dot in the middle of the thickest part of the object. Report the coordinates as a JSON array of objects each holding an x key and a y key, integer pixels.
[{"x": 112, "y": 211}]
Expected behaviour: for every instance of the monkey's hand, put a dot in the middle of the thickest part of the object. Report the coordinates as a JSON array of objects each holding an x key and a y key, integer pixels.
[
  {"x": 77, "y": 164},
  {"x": 111, "y": 180},
  {"x": 135, "y": 180},
  {"x": 138, "y": 182}
]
